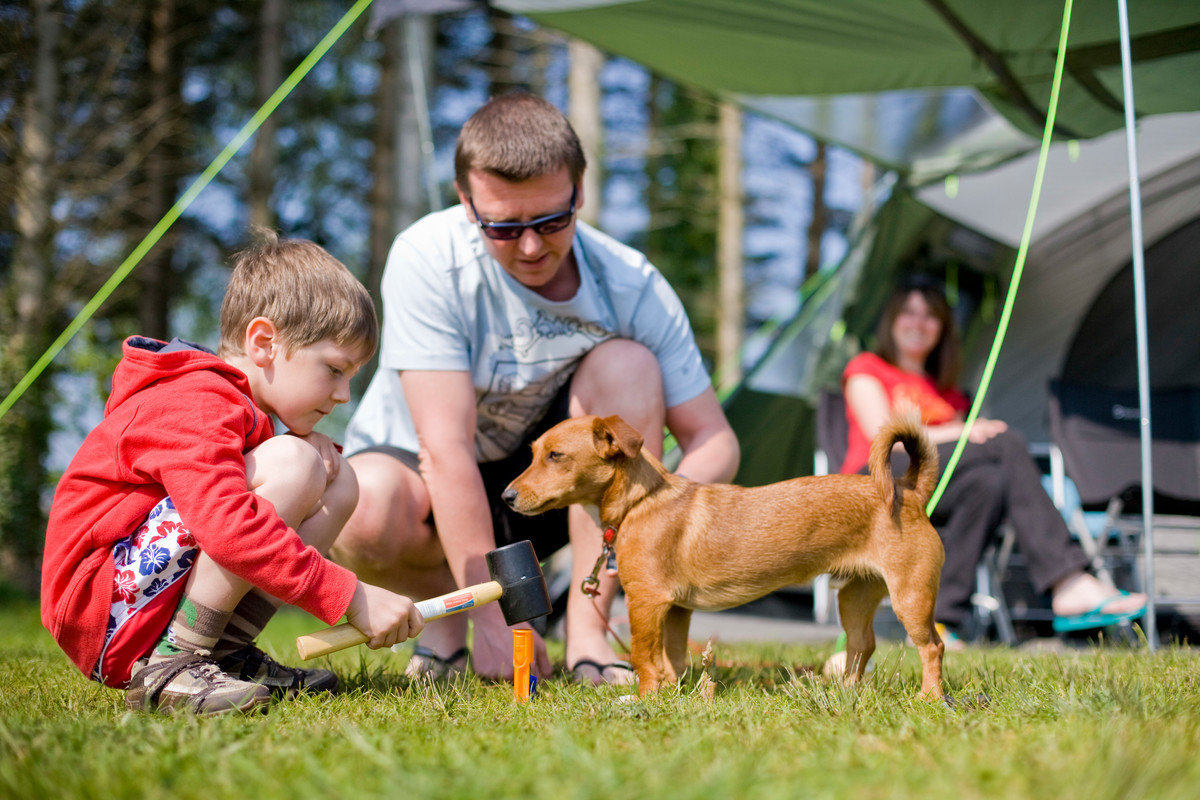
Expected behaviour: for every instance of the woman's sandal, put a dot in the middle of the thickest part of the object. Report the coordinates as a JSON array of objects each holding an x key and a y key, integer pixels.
[
  {"x": 618, "y": 673},
  {"x": 427, "y": 664},
  {"x": 1098, "y": 617}
]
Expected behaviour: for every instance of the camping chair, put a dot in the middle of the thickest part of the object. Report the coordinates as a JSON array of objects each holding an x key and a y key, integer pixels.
[
  {"x": 988, "y": 602},
  {"x": 1098, "y": 431}
]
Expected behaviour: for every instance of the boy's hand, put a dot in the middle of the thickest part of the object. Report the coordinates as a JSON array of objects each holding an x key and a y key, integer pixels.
[
  {"x": 331, "y": 454},
  {"x": 386, "y": 617}
]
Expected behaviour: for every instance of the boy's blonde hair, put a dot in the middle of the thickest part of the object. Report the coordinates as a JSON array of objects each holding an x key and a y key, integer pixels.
[{"x": 308, "y": 294}]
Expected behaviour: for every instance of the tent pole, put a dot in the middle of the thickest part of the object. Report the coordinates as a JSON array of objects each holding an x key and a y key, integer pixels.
[{"x": 1150, "y": 622}]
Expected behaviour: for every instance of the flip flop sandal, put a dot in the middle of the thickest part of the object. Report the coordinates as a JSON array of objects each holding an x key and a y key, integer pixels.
[
  {"x": 618, "y": 673},
  {"x": 1096, "y": 618},
  {"x": 427, "y": 664}
]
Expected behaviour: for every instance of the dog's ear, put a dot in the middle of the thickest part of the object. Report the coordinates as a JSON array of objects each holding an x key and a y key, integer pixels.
[{"x": 615, "y": 437}]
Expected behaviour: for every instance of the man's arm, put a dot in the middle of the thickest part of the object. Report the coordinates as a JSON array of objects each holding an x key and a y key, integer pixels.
[
  {"x": 710, "y": 448},
  {"x": 443, "y": 412}
]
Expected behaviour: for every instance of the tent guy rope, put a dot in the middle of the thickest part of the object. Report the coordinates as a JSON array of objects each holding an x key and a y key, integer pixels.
[{"x": 1018, "y": 267}]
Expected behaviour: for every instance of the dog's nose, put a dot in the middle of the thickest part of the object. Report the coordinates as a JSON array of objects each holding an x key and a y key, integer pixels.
[{"x": 509, "y": 497}]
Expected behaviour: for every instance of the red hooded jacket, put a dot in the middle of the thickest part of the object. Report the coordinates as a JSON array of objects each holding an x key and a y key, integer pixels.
[{"x": 177, "y": 424}]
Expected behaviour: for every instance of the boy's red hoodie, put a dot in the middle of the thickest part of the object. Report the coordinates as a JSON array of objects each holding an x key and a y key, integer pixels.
[{"x": 177, "y": 424}]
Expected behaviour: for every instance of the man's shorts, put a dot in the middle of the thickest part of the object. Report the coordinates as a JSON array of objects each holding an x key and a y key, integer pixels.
[
  {"x": 548, "y": 532},
  {"x": 152, "y": 565}
]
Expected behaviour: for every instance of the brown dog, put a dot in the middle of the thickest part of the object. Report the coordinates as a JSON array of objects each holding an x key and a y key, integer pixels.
[{"x": 684, "y": 546}]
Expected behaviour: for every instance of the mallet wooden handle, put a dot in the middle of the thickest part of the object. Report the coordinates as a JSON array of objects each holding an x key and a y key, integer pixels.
[{"x": 339, "y": 637}]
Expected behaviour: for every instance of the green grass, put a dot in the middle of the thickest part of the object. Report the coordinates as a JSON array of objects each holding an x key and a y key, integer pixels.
[{"x": 1100, "y": 723}]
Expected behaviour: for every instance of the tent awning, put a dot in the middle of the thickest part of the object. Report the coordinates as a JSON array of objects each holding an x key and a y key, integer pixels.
[{"x": 920, "y": 68}]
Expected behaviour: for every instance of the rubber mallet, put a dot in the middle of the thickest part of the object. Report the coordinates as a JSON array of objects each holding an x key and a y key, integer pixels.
[{"x": 517, "y": 582}]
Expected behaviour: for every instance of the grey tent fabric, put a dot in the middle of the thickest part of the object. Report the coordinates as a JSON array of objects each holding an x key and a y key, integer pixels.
[{"x": 1101, "y": 351}]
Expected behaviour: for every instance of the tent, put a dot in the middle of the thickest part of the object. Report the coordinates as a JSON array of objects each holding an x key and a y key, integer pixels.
[
  {"x": 1073, "y": 314},
  {"x": 934, "y": 88},
  {"x": 931, "y": 88},
  {"x": 896, "y": 79}
]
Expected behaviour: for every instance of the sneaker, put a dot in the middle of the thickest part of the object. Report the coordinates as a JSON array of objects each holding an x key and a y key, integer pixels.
[
  {"x": 251, "y": 664},
  {"x": 191, "y": 682}
]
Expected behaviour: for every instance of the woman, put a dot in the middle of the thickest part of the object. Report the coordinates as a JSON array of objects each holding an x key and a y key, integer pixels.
[{"x": 916, "y": 365}]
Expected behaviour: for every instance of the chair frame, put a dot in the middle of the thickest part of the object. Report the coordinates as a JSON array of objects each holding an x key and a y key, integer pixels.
[{"x": 1175, "y": 410}]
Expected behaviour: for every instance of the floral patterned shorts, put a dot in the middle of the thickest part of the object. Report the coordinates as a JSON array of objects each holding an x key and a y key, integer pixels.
[{"x": 152, "y": 565}]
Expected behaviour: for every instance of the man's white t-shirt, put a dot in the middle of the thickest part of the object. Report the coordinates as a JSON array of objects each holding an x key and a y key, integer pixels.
[{"x": 448, "y": 305}]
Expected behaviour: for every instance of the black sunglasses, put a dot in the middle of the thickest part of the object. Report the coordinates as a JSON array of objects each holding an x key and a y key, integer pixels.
[{"x": 542, "y": 226}]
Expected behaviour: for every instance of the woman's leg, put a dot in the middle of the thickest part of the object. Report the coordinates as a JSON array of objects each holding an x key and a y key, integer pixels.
[
  {"x": 1045, "y": 541},
  {"x": 1056, "y": 562}
]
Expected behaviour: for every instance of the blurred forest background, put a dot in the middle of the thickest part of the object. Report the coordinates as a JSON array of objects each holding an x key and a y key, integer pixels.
[{"x": 110, "y": 110}]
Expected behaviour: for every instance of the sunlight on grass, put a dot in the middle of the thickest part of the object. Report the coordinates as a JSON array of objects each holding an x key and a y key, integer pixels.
[{"x": 1095, "y": 723}]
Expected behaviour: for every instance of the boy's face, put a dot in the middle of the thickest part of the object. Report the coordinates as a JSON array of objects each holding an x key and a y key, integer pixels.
[{"x": 302, "y": 386}]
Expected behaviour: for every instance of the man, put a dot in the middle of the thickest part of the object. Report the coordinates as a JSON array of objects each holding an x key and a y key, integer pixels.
[{"x": 502, "y": 317}]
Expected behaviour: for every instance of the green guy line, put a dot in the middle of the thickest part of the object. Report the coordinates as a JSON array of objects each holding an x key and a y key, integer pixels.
[
  {"x": 186, "y": 200},
  {"x": 1018, "y": 268}
]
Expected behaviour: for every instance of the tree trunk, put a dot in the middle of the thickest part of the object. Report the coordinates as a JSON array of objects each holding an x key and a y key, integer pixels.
[
  {"x": 162, "y": 168},
  {"x": 398, "y": 195},
  {"x": 820, "y": 213},
  {"x": 25, "y": 429},
  {"x": 584, "y": 112},
  {"x": 731, "y": 303},
  {"x": 268, "y": 76},
  {"x": 502, "y": 61},
  {"x": 416, "y": 190}
]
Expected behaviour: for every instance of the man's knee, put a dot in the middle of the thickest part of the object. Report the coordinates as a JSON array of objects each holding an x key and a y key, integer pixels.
[
  {"x": 341, "y": 496},
  {"x": 620, "y": 359},
  {"x": 388, "y": 517},
  {"x": 618, "y": 376}
]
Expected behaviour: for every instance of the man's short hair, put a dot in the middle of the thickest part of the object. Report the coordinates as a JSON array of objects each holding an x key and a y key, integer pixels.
[
  {"x": 308, "y": 294},
  {"x": 516, "y": 137}
]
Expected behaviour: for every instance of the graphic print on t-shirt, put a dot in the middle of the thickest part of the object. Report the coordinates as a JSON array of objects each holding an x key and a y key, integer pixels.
[{"x": 527, "y": 371}]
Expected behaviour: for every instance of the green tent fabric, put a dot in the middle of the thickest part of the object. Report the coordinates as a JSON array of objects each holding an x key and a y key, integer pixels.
[
  {"x": 893, "y": 79},
  {"x": 915, "y": 85}
]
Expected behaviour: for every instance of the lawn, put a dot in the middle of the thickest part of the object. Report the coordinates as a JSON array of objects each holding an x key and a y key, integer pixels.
[{"x": 1102, "y": 722}]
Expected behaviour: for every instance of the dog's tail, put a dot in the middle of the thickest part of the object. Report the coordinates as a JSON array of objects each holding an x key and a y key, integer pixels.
[{"x": 922, "y": 474}]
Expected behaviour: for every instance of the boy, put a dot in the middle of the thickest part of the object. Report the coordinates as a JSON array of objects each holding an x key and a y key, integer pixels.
[{"x": 182, "y": 522}]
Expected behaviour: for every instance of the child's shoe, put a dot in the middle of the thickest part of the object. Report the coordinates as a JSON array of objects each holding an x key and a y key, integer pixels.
[
  {"x": 251, "y": 664},
  {"x": 191, "y": 682}
]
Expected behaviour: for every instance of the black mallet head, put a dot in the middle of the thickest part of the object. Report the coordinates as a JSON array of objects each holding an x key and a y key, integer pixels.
[{"x": 523, "y": 587}]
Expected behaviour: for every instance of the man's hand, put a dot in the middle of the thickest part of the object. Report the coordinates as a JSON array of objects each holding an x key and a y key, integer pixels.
[
  {"x": 386, "y": 617},
  {"x": 491, "y": 654}
]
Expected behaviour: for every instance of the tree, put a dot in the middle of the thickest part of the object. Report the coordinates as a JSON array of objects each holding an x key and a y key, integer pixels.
[
  {"x": 681, "y": 171},
  {"x": 25, "y": 430},
  {"x": 94, "y": 99},
  {"x": 264, "y": 158},
  {"x": 731, "y": 305},
  {"x": 584, "y": 112}
]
